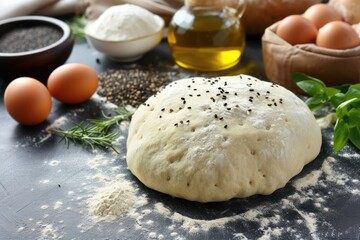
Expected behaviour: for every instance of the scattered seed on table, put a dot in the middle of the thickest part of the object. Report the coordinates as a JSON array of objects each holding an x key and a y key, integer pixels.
[{"x": 133, "y": 86}]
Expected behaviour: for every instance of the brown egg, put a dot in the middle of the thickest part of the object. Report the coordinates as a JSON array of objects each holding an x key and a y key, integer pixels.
[
  {"x": 27, "y": 101},
  {"x": 73, "y": 83},
  {"x": 321, "y": 14},
  {"x": 337, "y": 35},
  {"x": 296, "y": 29}
]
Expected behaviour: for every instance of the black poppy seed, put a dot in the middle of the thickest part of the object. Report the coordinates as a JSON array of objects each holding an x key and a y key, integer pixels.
[
  {"x": 176, "y": 124},
  {"x": 180, "y": 108},
  {"x": 213, "y": 99},
  {"x": 175, "y": 83},
  {"x": 226, "y": 126},
  {"x": 249, "y": 84},
  {"x": 218, "y": 94},
  {"x": 199, "y": 95},
  {"x": 225, "y": 104},
  {"x": 249, "y": 110},
  {"x": 59, "y": 185},
  {"x": 184, "y": 102},
  {"x": 221, "y": 118},
  {"x": 181, "y": 122},
  {"x": 250, "y": 100},
  {"x": 182, "y": 98},
  {"x": 251, "y": 90},
  {"x": 235, "y": 94},
  {"x": 98, "y": 61},
  {"x": 266, "y": 97},
  {"x": 148, "y": 105},
  {"x": 207, "y": 91},
  {"x": 190, "y": 95},
  {"x": 160, "y": 116},
  {"x": 195, "y": 89},
  {"x": 226, "y": 92},
  {"x": 269, "y": 104},
  {"x": 163, "y": 109},
  {"x": 188, "y": 107},
  {"x": 223, "y": 97},
  {"x": 267, "y": 92},
  {"x": 187, "y": 121},
  {"x": 237, "y": 105},
  {"x": 240, "y": 77},
  {"x": 228, "y": 109},
  {"x": 225, "y": 84},
  {"x": 258, "y": 93},
  {"x": 216, "y": 116},
  {"x": 251, "y": 97},
  {"x": 275, "y": 104},
  {"x": 171, "y": 110}
]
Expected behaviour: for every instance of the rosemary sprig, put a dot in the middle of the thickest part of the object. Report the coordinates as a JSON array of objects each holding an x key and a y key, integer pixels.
[{"x": 95, "y": 133}]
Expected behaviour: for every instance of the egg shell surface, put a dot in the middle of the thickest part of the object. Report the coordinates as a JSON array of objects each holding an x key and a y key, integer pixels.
[
  {"x": 73, "y": 83},
  {"x": 27, "y": 100}
]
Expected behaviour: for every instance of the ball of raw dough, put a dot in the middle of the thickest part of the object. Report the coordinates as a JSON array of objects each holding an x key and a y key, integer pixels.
[{"x": 213, "y": 139}]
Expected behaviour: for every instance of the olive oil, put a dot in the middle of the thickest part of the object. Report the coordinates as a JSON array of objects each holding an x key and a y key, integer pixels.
[{"x": 206, "y": 39}]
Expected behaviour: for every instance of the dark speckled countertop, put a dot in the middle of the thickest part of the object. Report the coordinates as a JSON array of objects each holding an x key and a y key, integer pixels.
[{"x": 45, "y": 186}]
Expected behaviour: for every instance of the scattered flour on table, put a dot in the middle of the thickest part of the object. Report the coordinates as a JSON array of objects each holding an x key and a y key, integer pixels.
[
  {"x": 113, "y": 199},
  {"x": 269, "y": 217},
  {"x": 50, "y": 129},
  {"x": 54, "y": 163},
  {"x": 58, "y": 205},
  {"x": 326, "y": 121},
  {"x": 48, "y": 231}
]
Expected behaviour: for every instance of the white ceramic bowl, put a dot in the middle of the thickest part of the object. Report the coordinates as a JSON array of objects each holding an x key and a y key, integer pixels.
[{"x": 126, "y": 51}]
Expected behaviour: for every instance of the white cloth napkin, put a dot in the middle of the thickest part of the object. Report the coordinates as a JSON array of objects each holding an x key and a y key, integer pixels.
[
  {"x": 15, "y": 8},
  {"x": 93, "y": 8}
]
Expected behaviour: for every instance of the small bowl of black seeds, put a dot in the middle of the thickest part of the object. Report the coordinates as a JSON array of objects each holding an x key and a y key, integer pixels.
[{"x": 33, "y": 46}]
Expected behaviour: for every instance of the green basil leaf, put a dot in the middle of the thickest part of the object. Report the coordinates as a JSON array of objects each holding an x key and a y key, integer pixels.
[
  {"x": 354, "y": 136},
  {"x": 343, "y": 88},
  {"x": 354, "y": 115},
  {"x": 337, "y": 99},
  {"x": 353, "y": 92},
  {"x": 298, "y": 77},
  {"x": 311, "y": 87},
  {"x": 308, "y": 84},
  {"x": 341, "y": 135},
  {"x": 331, "y": 91},
  {"x": 343, "y": 108},
  {"x": 315, "y": 102}
]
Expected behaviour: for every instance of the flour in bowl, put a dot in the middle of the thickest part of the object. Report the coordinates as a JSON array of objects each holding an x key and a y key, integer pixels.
[{"x": 125, "y": 22}]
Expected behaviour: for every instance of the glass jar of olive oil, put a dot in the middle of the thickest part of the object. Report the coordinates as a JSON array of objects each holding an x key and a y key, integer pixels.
[{"x": 207, "y": 35}]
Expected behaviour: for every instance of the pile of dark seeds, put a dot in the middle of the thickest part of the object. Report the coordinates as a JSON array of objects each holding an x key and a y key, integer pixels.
[
  {"x": 28, "y": 38},
  {"x": 133, "y": 86}
]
